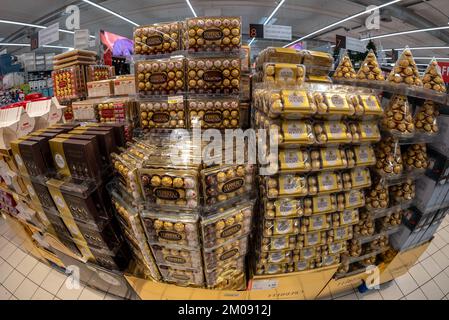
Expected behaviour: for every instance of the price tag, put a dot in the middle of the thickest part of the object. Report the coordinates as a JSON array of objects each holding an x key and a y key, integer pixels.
[{"x": 175, "y": 99}]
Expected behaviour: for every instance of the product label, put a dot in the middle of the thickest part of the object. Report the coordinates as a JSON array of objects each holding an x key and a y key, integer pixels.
[
  {"x": 346, "y": 217},
  {"x": 169, "y": 235},
  {"x": 295, "y": 130},
  {"x": 181, "y": 277},
  {"x": 291, "y": 159},
  {"x": 338, "y": 102},
  {"x": 312, "y": 239},
  {"x": 283, "y": 226},
  {"x": 340, "y": 233},
  {"x": 290, "y": 184},
  {"x": 327, "y": 181},
  {"x": 233, "y": 185},
  {"x": 212, "y": 34},
  {"x": 362, "y": 155},
  {"x": 301, "y": 265},
  {"x": 322, "y": 204},
  {"x": 59, "y": 161},
  {"x": 166, "y": 193},
  {"x": 335, "y": 247},
  {"x": 213, "y": 76},
  {"x": 228, "y": 254},
  {"x": 331, "y": 157},
  {"x": 353, "y": 198},
  {"x": 335, "y": 130},
  {"x": 308, "y": 253},
  {"x": 158, "y": 78},
  {"x": 276, "y": 257},
  {"x": 213, "y": 117},
  {"x": 296, "y": 100},
  {"x": 359, "y": 177},
  {"x": 279, "y": 243},
  {"x": 285, "y": 208},
  {"x": 155, "y": 40},
  {"x": 231, "y": 230},
  {"x": 160, "y": 117},
  {"x": 286, "y": 73},
  {"x": 316, "y": 222},
  {"x": 175, "y": 260}
]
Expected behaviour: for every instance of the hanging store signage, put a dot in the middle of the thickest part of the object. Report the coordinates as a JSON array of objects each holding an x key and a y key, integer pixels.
[
  {"x": 49, "y": 34},
  {"x": 275, "y": 32},
  {"x": 353, "y": 44},
  {"x": 444, "y": 66}
]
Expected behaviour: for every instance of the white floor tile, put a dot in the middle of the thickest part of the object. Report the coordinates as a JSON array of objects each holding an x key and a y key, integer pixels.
[
  {"x": 26, "y": 290},
  {"x": 445, "y": 250},
  {"x": 3, "y": 241},
  {"x": 438, "y": 241},
  {"x": 343, "y": 293},
  {"x": 441, "y": 259},
  {"x": 39, "y": 273},
  {"x": 369, "y": 295},
  {"x": 431, "y": 266},
  {"x": 419, "y": 274},
  {"x": 7, "y": 250},
  {"x": 111, "y": 297},
  {"x": 432, "y": 291},
  {"x": 442, "y": 280},
  {"x": 9, "y": 234},
  {"x": 13, "y": 298},
  {"x": 424, "y": 256},
  {"x": 42, "y": 294},
  {"x": 432, "y": 248},
  {"x": 66, "y": 293},
  {"x": 13, "y": 281},
  {"x": 4, "y": 293},
  {"x": 27, "y": 265},
  {"x": 416, "y": 295},
  {"x": 16, "y": 257},
  {"x": 406, "y": 283},
  {"x": 53, "y": 282},
  {"x": 391, "y": 292},
  {"x": 5, "y": 270},
  {"x": 351, "y": 296},
  {"x": 91, "y": 294},
  {"x": 444, "y": 234}
]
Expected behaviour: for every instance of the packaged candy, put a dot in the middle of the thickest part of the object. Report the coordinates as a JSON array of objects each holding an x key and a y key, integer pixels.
[
  {"x": 377, "y": 197},
  {"x": 415, "y": 157},
  {"x": 162, "y": 114},
  {"x": 345, "y": 69},
  {"x": 426, "y": 118},
  {"x": 182, "y": 276},
  {"x": 98, "y": 72},
  {"x": 224, "y": 254},
  {"x": 344, "y": 218},
  {"x": 214, "y": 113},
  {"x": 364, "y": 155},
  {"x": 285, "y": 208},
  {"x": 276, "y": 243},
  {"x": 178, "y": 257},
  {"x": 398, "y": 118},
  {"x": 369, "y": 69},
  {"x": 365, "y": 226},
  {"x": 332, "y": 104},
  {"x": 432, "y": 78},
  {"x": 403, "y": 192},
  {"x": 314, "y": 223},
  {"x": 294, "y": 160},
  {"x": 332, "y": 132},
  {"x": 287, "y": 185},
  {"x": 227, "y": 277},
  {"x": 311, "y": 239},
  {"x": 388, "y": 157},
  {"x": 158, "y": 38},
  {"x": 279, "y": 256},
  {"x": 283, "y": 74},
  {"x": 280, "y": 55},
  {"x": 279, "y": 227},
  {"x": 405, "y": 70}
]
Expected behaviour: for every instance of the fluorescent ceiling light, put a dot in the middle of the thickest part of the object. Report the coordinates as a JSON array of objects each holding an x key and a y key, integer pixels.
[
  {"x": 419, "y": 48},
  {"x": 269, "y": 17},
  {"x": 57, "y": 47},
  {"x": 191, "y": 8},
  {"x": 111, "y": 12},
  {"x": 24, "y": 24},
  {"x": 274, "y": 12},
  {"x": 430, "y": 58},
  {"x": 405, "y": 32},
  {"x": 342, "y": 21},
  {"x": 6, "y": 44}
]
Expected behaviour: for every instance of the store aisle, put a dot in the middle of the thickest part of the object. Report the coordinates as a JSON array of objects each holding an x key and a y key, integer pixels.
[{"x": 23, "y": 277}]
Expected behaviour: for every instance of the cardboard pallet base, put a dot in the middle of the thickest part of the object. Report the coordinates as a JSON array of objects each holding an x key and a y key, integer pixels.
[{"x": 305, "y": 285}]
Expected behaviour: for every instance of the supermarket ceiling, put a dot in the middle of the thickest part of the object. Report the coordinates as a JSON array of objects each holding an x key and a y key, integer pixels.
[{"x": 304, "y": 16}]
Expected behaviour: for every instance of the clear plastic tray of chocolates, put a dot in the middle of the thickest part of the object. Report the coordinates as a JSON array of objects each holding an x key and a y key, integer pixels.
[
  {"x": 223, "y": 254},
  {"x": 273, "y": 268},
  {"x": 160, "y": 77},
  {"x": 344, "y": 218},
  {"x": 340, "y": 233},
  {"x": 213, "y": 34},
  {"x": 226, "y": 275},
  {"x": 68, "y": 83},
  {"x": 363, "y": 132},
  {"x": 318, "y": 222},
  {"x": 279, "y": 55},
  {"x": 279, "y": 256},
  {"x": 275, "y": 243},
  {"x": 213, "y": 75},
  {"x": 172, "y": 228},
  {"x": 277, "y": 227},
  {"x": 164, "y": 113},
  {"x": 226, "y": 225},
  {"x": 182, "y": 276},
  {"x": 282, "y": 74},
  {"x": 311, "y": 239},
  {"x": 364, "y": 155},
  {"x": 284, "y": 208},
  {"x": 227, "y": 183},
  {"x": 213, "y": 113},
  {"x": 172, "y": 187},
  {"x": 176, "y": 256},
  {"x": 286, "y": 185},
  {"x": 158, "y": 38},
  {"x": 98, "y": 72}
]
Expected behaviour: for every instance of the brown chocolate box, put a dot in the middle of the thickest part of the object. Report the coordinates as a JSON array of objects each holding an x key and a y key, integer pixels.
[{"x": 106, "y": 140}]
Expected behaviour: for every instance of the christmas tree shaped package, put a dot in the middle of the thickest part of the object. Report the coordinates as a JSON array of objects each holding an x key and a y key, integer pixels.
[
  {"x": 405, "y": 70},
  {"x": 432, "y": 78},
  {"x": 370, "y": 70},
  {"x": 345, "y": 69}
]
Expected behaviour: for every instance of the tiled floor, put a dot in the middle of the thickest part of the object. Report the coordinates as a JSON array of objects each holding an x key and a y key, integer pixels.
[{"x": 23, "y": 277}]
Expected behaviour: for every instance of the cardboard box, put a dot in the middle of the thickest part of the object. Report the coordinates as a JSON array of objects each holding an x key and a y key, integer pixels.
[
  {"x": 14, "y": 123},
  {"x": 45, "y": 112}
]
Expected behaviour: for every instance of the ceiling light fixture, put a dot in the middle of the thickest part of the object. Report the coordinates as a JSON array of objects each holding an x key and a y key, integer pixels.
[
  {"x": 342, "y": 21},
  {"x": 57, "y": 47},
  {"x": 419, "y": 48},
  {"x": 269, "y": 18},
  {"x": 191, "y": 8},
  {"x": 31, "y": 25},
  {"x": 111, "y": 12},
  {"x": 430, "y": 58},
  {"x": 404, "y": 32},
  {"x": 273, "y": 13},
  {"x": 7, "y": 44}
]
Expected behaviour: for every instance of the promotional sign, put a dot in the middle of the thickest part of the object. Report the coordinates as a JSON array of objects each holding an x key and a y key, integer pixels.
[
  {"x": 444, "y": 66},
  {"x": 49, "y": 34},
  {"x": 275, "y": 32},
  {"x": 34, "y": 41},
  {"x": 353, "y": 44},
  {"x": 81, "y": 39}
]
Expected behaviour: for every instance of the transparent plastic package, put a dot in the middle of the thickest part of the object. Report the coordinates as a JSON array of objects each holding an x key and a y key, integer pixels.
[
  {"x": 175, "y": 187},
  {"x": 371, "y": 105},
  {"x": 344, "y": 218},
  {"x": 178, "y": 257},
  {"x": 370, "y": 69},
  {"x": 213, "y": 75},
  {"x": 398, "y": 119},
  {"x": 365, "y": 226},
  {"x": 331, "y": 132},
  {"x": 158, "y": 38},
  {"x": 317, "y": 58},
  {"x": 286, "y": 185},
  {"x": 280, "y": 256},
  {"x": 336, "y": 247},
  {"x": 162, "y": 114},
  {"x": 69, "y": 83},
  {"x": 213, "y": 34},
  {"x": 311, "y": 239},
  {"x": 316, "y": 222},
  {"x": 213, "y": 113},
  {"x": 285, "y": 208},
  {"x": 224, "y": 254},
  {"x": 415, "y": 157},
  {"x": 425, "y": 119},
  {"x": 324, "y": 204},
  {"x": 98, "y": 72},
  {"x": 405, "y": 70},
  {"x": 390, "y": 221},
  {"x": 432, "y": 78},
  {"x": 290, "y": 104},
  {"x": 360, "y": 178},
  {"x": 168, "y": 229},
  {"x": 273, "y": 268},
  {"x": 226, "y": 183},
  {"x": 339, "y": 234},
  {"x": 115, "y": 110},
  {"x": 354, "y": 199},
  {"x": 294, "y": 160},
  {"x": 276, "y": 243},
  {"x": 279, "y": 55},
  {"x": 306, "y": 253},
  {"x": 280, "y": 227},
  {"x": 403, "y": 192},
  {"x": 160, "y": 76},
  {"x": 388, "y": 157},
  {"x": 345, "y": 69},
  {"x": 364, "y": 155},
  {"x": 328, "y": 182},
  {"x": 182, "y": 276},
  {"x": 333, "y": 104},
  {"x": 377, "y": 197},
  {"x": 283, "y": 74},
  {"x": 228, "y": 277},
  {"x": 127, "y": 173},
  {"x": 229, "y": 224},
  {"x": 364, "y": 132}
]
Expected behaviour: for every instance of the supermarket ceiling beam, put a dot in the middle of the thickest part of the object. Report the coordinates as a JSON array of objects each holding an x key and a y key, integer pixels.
[
  {"x": 32, "y": 25},
  {"x": 342, "y": 21},
  {"x": 111, "y": 12}
]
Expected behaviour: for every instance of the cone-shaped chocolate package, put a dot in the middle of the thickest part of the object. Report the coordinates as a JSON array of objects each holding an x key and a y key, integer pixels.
[
  {"x": 432, "y": 78},
  {"x": 405, "y": 70},
  {"x": 345, "y": 69},
  {"x": 370, "y": 70}
]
